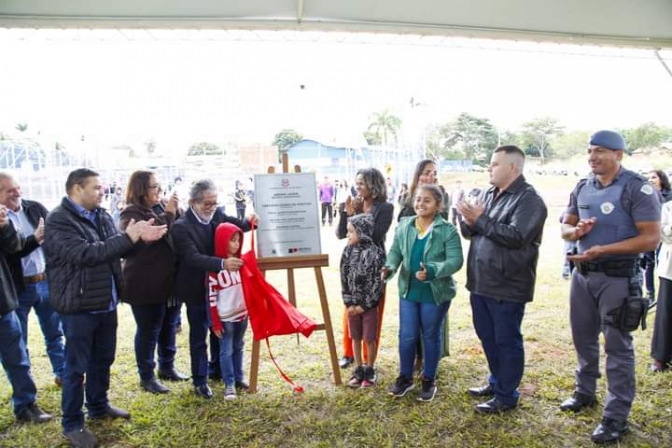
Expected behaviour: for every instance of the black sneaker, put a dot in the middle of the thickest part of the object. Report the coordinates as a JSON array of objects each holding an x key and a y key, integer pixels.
[
  {"x": 345, "y": 362},
  {"x": 401, "y": 386},
  {"x": 369, "y": 377},
  {"x": 428, "y": 390},
  {"x": 357, "y": 377},
  {"x": 610, "y": 431}
]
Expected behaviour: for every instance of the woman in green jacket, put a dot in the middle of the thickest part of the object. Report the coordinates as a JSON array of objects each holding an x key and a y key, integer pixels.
[{"x": 429, "y": 251}]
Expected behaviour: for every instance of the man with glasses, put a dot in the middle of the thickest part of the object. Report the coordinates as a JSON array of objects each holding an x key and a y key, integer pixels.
[{"x": 193, "y": 235}]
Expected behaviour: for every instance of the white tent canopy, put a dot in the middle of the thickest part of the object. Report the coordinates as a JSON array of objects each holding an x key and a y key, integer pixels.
[{"x": 644, "y": 24}]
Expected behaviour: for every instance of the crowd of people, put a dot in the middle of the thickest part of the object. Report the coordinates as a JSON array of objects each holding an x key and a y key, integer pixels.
[{"x": 74, "y": 265}]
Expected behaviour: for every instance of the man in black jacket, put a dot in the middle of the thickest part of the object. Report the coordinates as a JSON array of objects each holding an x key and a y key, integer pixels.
[
  {"x": 193, "y": 235},
  {"x": 83, "y": 250},
  {"x": 505, "y": 231},
  {"x": 28, "y": 272},
  {"x": 13, "y": 351}
]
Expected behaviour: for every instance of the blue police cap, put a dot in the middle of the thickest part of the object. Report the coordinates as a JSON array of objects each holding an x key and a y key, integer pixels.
[{"x": 608, "y": 139}]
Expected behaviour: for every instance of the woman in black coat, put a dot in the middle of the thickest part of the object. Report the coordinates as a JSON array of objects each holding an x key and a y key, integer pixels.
[
  {"x": 371, "y": 198},
  {"x": 149, "y": 272}
]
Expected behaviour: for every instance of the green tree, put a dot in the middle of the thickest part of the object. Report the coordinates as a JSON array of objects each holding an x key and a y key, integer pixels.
[
  {"x": 205, "y": 149},
  {"x": 647, "y": 135},
  {"x": 570, "y": 144},
  {"x": 383, "y": 126},
  {"x": 21, "y": 127},
  {"x": 285, "y": 139},
  {"x": 372, "y": 139},
  {"x": 477, "y": 136},
  {"x": 537, "y": 134}
]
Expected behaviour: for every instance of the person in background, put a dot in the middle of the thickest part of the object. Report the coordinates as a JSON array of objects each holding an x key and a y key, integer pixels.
[
  {"x": 326, "y": 191},
  {"x": 83, "y": 251},
  {"x": 429, "y": 251},
  {"x": 342, "y": 194},
  {"x": 361, "y": 287},
  {"x": 372, "y": 199},
  {"x": 240, "y": 197},
  {"x": 456, "y": 196},
  {"x": 391, "y": 191},
  {"x": 661, "y": 341},
  {"x": 115, "y": 198},
  {"x": 660, "y": 181},
  {"x": 13, "y": 353},
  {"x": 28, "y": 270},
  {"x": 505, "y": 227},
  {"x": 402, "y": 197},
  {"x": 613, "y": 215},
  {"x": 149, "y": 271}
]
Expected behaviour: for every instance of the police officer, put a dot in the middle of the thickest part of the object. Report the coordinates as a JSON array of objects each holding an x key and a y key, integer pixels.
[{"x": 613, "y": 215}]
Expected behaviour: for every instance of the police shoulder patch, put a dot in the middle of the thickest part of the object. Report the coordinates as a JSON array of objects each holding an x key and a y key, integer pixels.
[{"x": 647, "y": 189}]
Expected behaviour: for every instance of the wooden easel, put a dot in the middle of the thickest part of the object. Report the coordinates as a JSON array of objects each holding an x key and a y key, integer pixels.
[{"x": 291, "y": 263}]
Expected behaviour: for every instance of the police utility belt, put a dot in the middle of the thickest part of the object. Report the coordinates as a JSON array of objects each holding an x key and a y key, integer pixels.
[{"x": 612, "y": 268}]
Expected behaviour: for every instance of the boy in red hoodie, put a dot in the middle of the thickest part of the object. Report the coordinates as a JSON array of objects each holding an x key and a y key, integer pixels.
[{"x": 227, "y": 308}]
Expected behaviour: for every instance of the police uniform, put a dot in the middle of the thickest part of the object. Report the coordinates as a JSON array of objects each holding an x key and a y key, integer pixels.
[{"x": 596, "y": 295}]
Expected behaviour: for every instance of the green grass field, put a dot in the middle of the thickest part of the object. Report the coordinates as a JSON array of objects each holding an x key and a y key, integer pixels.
[{"x": 330, "y": 416}]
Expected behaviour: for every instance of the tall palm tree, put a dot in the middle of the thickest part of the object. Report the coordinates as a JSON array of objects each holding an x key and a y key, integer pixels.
[{"x": 383, "y": 124}]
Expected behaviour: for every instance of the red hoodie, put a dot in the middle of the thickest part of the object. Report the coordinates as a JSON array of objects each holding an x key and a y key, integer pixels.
[{"x": 226, "y": 299}]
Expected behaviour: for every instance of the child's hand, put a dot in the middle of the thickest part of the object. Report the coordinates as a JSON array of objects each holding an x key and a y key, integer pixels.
[
  {"x": 422, "y": 273},
  {"x": 359, "y": 310},
  {"x": 219, "y": 333},
  {"x": 384, "y": 273},
  {"x": 233, "y": 264},
  {"x": 351, "y": 311}
]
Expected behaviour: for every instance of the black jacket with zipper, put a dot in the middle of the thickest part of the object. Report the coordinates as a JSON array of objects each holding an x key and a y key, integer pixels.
[{"x": 83, "y": 259}]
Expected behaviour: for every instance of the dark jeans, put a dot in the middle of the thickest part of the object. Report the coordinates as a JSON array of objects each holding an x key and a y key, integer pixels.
[
  {"x": 149, "y": 320},
  {"x": 327, "y": 212},
  {"x": 497, "y": 324},
  {"x": 456, "y": 217},
  {"x": 240, "y": 212},
  {"x": 198, "y": 347},
  {"x": 214, "y": 367},
  {"x": 420, "y": 320},
  {"x": 15, "y": 362},
  {"x": 167, "y": 345},
  {"x": 90, "y": 344},
  {"x": 37, "y": 296},
  {"x": 231, "y": 351}
]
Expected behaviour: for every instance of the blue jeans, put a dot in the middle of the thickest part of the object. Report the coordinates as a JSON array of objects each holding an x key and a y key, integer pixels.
[
  {"x": 231, "y": 351},
  {"x": 15, "y": 362},
  {"x": 89, "y": 349},
  {"x": 497, "y": 324},
  {"x": 198, "y": 347},
  {"x": 167, "y": 346},
  {"x": 149, "y": 319},
  {"x": 37, "y": 296},
  {"x": 420, "y": 320}
]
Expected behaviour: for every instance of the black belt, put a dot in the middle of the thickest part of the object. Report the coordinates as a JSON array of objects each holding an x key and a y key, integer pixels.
[
  {"x": 34, "y": 279},
  {"x": 613, "y": 268}
]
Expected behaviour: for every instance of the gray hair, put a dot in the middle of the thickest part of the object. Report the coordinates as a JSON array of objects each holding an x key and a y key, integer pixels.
[{"x": 199, "y": 187}]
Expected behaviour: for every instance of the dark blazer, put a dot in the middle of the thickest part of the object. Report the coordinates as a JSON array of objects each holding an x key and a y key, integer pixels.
[
  {"x": 83, "y": 260},
  {"x": 34, "y": 211},
  {"x": 195, "y": 248},
  {"x": 149, "y": 268},
  {"x": 10, "y": 242},
  {"x": 382, "y": 212}
]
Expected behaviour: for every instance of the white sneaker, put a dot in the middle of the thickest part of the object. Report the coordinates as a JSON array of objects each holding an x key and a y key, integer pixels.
[{"x": 230, "y": 393}]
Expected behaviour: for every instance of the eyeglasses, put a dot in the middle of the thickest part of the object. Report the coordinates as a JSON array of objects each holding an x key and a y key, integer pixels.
[{"x": 209, "y": 204}]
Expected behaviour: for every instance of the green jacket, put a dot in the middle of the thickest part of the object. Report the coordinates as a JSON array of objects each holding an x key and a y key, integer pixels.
[{"x": 442, "y": 256}]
